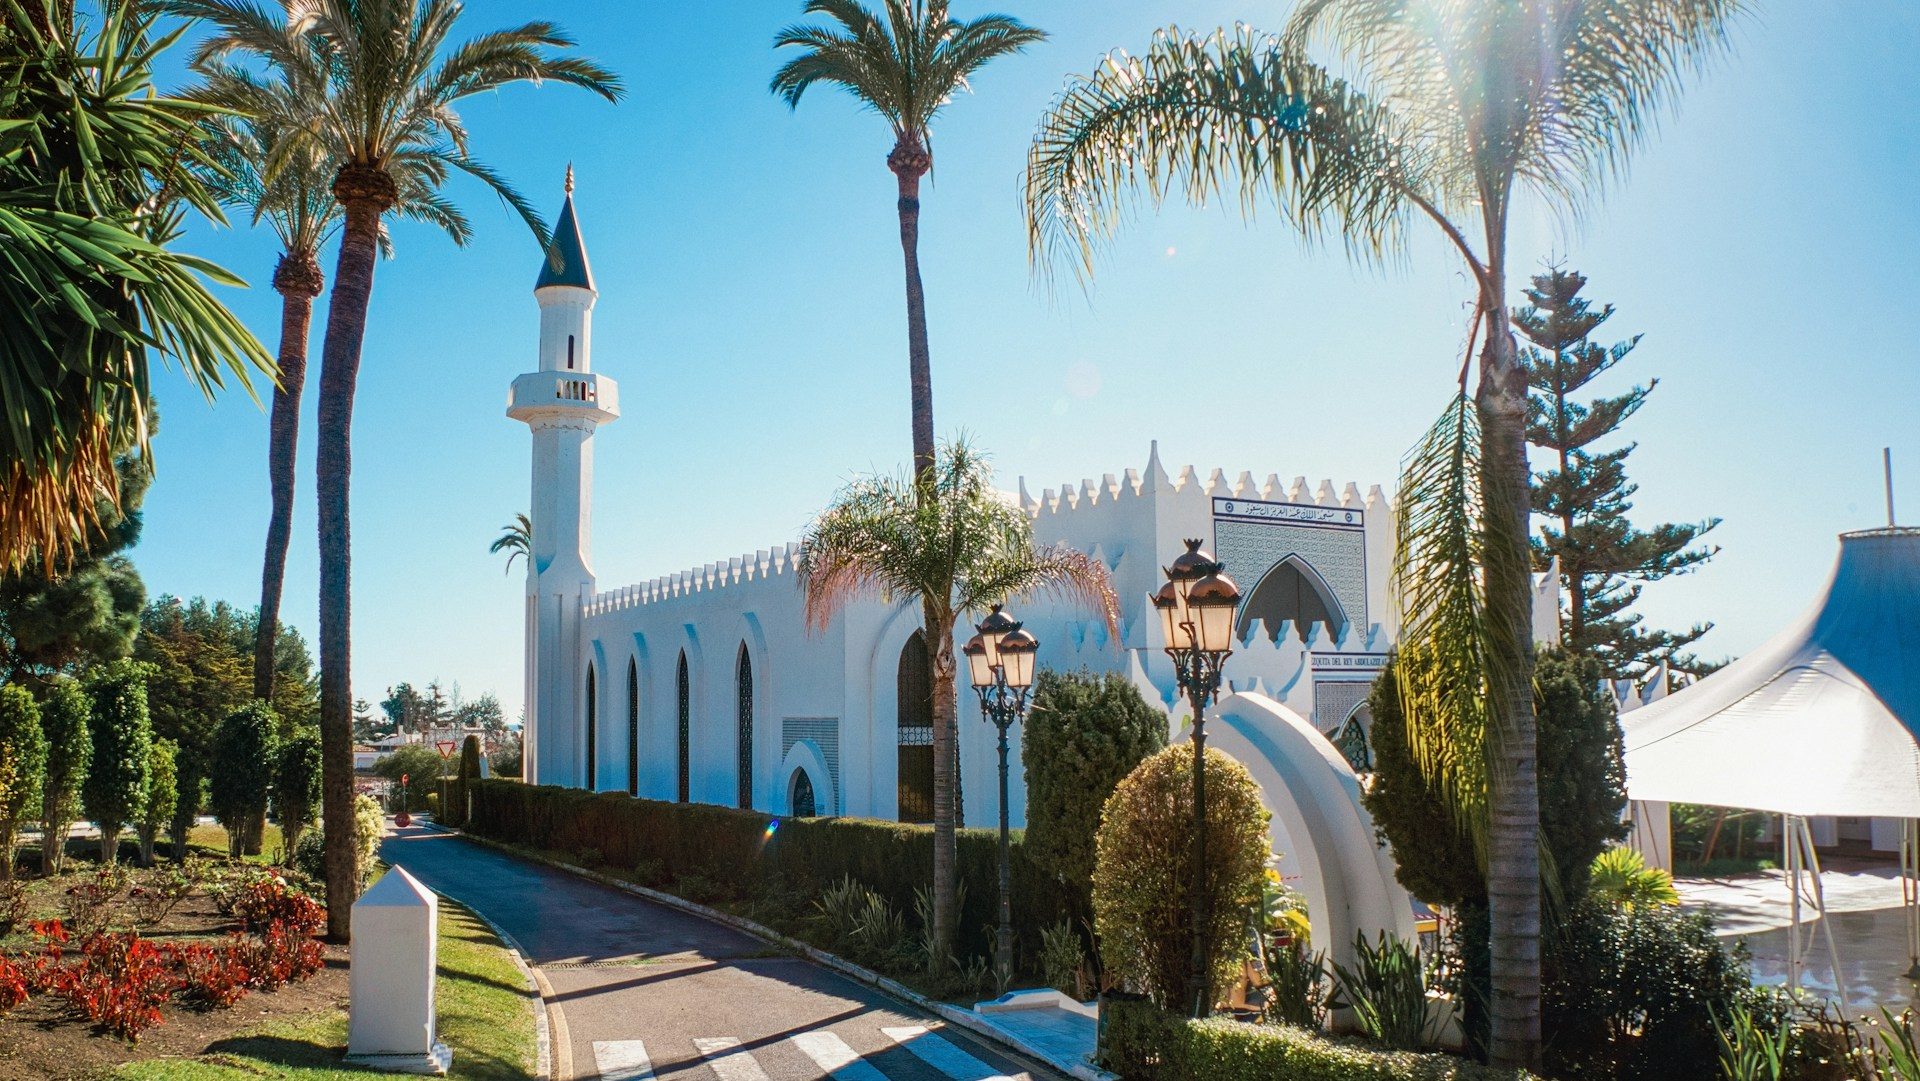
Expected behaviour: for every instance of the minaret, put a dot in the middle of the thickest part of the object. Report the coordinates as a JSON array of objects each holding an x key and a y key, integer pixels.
[{"x": 563, "y": 403}]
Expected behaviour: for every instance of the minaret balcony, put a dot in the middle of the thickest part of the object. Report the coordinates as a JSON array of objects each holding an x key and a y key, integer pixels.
[{"x": 555, "y": 395}]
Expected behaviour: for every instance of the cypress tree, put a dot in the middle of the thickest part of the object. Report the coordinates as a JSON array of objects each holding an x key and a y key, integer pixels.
[
  {"x": 163, "y": 793},
  {"x": 1584, "y": 494},
  {"x": 23, "y": 765},
  {"x": 65, "y": 716},
  {"x": 116, "y": 785},
  {"x": 245, "y": 758},
  {"x": 296, "y": 788}
]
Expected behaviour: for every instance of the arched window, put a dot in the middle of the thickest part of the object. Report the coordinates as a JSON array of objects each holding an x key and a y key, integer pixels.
[
  {"x": 1354, "y": 740},
  {"x": 1293, "y": 590},
  {"x": 800, "y": 796},
  {"x": 685, "y": 690},
  {"x": 914, "y": 683},
  {"x": 592, "y": 726},
  {"x": 744, "y": 721},
  {"x": 633, "y": 727},
  {"x": 569, "y": 351}
]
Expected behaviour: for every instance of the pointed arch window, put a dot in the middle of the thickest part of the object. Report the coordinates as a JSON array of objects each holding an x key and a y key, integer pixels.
[
  {"x": 744, "y": 721},
  {"x": 914, "y": 686},
  {"x": 592, "y": 726},
  {"x": 684, "y": 691},
  {"x": 1292, "y": 591},
  {"x": 633, "y": 727}
]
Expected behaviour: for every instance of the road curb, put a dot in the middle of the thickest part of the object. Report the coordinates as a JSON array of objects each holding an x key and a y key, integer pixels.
[
  {"x": 965, "y": 1019},
  {"x": 542, "y": 1030}
]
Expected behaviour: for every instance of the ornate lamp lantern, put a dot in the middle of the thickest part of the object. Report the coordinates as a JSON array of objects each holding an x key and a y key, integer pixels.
[
  {"x": 1197, "y": 607},
  {"x": 1000, "y": 665}
]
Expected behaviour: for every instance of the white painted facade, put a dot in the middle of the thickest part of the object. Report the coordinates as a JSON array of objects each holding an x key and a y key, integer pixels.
[{"x": 767, "y": 701}]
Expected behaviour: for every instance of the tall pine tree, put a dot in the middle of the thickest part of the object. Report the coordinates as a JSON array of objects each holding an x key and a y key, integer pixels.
[{"x": 1584, "y": 496}]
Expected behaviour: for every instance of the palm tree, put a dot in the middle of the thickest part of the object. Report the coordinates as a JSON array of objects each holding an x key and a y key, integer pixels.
[
  {"x": 905, "y": 63},
  {"x": 93, "y": 288},
  {"x": 1449, "y": 109},
  {"x": 947, "y": 539},
  {"x": 394, "y": 82},
  {"x": 516, "y": 539},
  {"x": 266, "y": 168}
]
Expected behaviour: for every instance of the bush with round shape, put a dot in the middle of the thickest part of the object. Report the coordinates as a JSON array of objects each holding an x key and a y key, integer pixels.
[
  {"x": 65, "y": 714},
  {"x": 23, "y": 766},
  {"x": 245, "y": 755},
  {"x": 122, "y": 733},
  {"x": 1631, "y": 993},
  {"x": 1143, "y": 871}
]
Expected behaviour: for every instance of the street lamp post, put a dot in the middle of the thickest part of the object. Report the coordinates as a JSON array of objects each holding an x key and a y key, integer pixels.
[
  {"x": 1197, "y": 606},
  {"x": 1000, "y": 666}
]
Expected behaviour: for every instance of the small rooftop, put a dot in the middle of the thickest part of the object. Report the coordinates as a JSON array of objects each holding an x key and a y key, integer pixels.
[{"x": 566, "y": 258}]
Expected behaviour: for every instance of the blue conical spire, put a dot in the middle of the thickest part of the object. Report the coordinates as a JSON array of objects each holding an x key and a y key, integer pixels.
[{"x": 566, "y": 258}]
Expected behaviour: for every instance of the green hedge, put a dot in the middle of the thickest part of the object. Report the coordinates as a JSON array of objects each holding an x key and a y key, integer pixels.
[
  {"x": 732, "y": 854},
  {"x": 1144, "y": 1043}
]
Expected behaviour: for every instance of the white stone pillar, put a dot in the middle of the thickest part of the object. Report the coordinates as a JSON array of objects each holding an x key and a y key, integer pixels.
[{"x": 391, "y": 985}]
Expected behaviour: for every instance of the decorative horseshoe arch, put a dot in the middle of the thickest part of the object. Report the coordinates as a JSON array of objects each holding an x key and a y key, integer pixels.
[
  {"x": 804, "y": 757},
  {"x": 1324, "y": 836}
]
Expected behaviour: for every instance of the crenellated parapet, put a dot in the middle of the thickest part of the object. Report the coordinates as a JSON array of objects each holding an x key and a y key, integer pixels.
[{"x": 782, "y": 560}]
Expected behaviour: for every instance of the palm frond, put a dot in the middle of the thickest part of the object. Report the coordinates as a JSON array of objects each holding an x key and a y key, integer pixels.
[
  {"x": 1228, "y": 115},
  {"x": 905, "y": 62},
  {"x": 946, "y": 539},
  {"x": 1444, "y": 626}
]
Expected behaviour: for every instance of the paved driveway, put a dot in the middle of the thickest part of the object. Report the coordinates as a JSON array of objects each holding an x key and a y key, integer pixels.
[{"x": 638, "y": 990}]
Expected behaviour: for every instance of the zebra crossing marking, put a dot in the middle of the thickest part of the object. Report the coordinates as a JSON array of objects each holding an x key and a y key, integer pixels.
[
  {"x": 942, "y": 1055},
  {"x": 831, "y": 1053},
  {"x": 729, "y": 1060},
  {"x": 622, "y": 1060}
]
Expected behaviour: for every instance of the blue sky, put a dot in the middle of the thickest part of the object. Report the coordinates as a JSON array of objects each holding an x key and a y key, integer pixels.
[{"x": 750, "y": 306}]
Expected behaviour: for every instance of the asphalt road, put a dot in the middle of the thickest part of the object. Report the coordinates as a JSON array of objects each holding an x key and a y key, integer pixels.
[{"x": 636, "y": 990}]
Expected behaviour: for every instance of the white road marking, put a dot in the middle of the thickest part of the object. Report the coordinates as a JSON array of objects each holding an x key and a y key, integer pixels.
[
  {"x": 724, "y": 1055},
  {"x": 622, "y": 1060},
  {"x": 943, "y": 1056},
  {"x": 831, "y": 1053}
]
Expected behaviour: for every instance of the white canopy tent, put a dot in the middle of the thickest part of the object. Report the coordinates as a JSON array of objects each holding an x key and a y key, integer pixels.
[{"x": 1824, "y": 719}]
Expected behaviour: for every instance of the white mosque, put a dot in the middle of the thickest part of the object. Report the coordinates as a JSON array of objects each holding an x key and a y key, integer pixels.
[{"x": 705, "y": 686}]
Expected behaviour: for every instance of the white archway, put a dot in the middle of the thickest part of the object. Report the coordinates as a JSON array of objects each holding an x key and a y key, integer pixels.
[
  {"x": 805, "y": 757},
  {"x": 1324, "y": 836}
]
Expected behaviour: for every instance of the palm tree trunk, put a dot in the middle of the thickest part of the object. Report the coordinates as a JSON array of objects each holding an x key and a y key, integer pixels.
[
  {"x": 364, "y": 193},
  {"x": 1513, "y": 857},
  {"x": 909, "y": 162},
  {"x": 939, "y": 631},
  {"x": 298, "y": 280}
]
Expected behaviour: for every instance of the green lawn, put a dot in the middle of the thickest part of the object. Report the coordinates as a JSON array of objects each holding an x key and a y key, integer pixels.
[
  {"x": 212, "y": 841},
  {"x": 486, "y": 1016}
]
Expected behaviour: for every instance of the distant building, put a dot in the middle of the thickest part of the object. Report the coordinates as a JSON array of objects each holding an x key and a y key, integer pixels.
[{"x": 706, "y": 686}]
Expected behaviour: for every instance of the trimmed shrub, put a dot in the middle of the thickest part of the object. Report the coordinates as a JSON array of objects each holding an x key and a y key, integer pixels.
[
  {"x": 1141, "y": 1042},
  {"x": 738, "y": 854},
  {"x": 122, "y": 734},
  {"x": 65, "y": 714},
  {"x": 163, "y": 792},
  {"x": 1084, "y": 734},
  {"x": 1631, "y": 993},
  {"x": 296, "y": 788},
  {"x": 245, "y": 754},
  {"x": 23, "y": 766},
  {"x": 1143, "y": 876}
]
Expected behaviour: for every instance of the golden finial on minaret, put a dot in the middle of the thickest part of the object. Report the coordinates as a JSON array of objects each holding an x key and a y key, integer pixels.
[{"x": 569, "y": 178}]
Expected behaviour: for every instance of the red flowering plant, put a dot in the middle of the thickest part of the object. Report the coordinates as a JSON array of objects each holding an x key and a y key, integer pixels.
[
  {"x": 119, "y": 982},
  {"x": 15, "y": 984},
  {"x": 211, "y": 976},
  {"x": 269, "y": 902}
]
